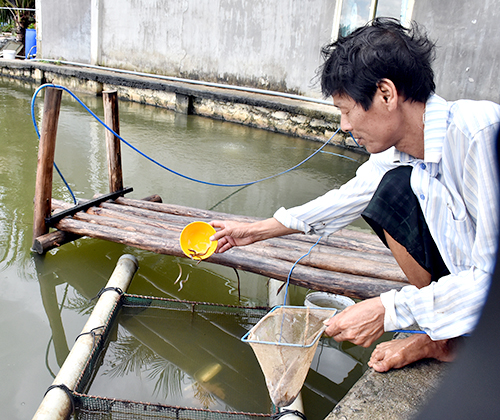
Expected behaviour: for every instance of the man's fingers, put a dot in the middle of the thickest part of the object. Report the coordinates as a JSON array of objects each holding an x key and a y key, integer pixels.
[
  {"x": 217, "y": 235},
  {"x": 331, "y": 327},
  {"x": 224, "y": 248}
]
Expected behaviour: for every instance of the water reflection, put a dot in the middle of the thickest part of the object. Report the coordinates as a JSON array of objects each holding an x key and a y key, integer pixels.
[{"x": 215, "y": 371}]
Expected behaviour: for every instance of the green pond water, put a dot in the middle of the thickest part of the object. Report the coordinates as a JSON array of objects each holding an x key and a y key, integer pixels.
[{"x": 44, "y": 301}]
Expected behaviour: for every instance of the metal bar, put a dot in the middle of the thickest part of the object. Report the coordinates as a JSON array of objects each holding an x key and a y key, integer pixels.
[
  {"x": 18, "y": 8},
  {"x": 50, "y": 221}
]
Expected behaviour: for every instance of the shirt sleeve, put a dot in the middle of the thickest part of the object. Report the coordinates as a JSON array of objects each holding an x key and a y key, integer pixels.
[
  {"x": 339, "y": 207},
  {"x": 445, "y": 309},
  {"x": 451, "y": 306}
]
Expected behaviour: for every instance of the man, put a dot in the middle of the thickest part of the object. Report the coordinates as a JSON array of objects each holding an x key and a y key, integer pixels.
[{"x": 429, "y": 190}]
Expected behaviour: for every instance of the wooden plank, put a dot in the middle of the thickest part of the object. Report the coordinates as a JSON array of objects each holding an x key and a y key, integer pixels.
[
  {"x": 356, "y": 241},
  {"x": 184, "y": 210},
  {"x": 51, "y": 240},
  {"x": 329, "y": 257},
  {"x": 368, "y": 242},
  {"x": 343, "y": 246},
  {"x": 338, "y": 261}
]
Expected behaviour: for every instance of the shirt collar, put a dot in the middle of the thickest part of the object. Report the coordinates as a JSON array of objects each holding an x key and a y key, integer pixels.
[{"x": 435, "y": 125}]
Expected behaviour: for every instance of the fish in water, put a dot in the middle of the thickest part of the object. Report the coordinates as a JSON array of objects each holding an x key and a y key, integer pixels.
[{"x": 181, "y": 284}]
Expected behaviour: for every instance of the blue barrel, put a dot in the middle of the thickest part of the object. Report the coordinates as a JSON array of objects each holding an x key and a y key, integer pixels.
[{"x": 30, "y": 43}]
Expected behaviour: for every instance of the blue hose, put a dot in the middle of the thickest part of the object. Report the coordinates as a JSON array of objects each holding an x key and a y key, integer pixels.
[{"x": 149, "y": 157}]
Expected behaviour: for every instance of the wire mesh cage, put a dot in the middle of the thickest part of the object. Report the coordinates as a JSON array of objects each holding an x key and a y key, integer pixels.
[
  {"x": 169, "y": 319},
  {"x": 89, "y": 407}
]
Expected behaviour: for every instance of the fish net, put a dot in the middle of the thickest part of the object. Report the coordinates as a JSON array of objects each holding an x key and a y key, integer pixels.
[
  {"x": 284, "y": 342},
  {"x": 168, "y": 319}
]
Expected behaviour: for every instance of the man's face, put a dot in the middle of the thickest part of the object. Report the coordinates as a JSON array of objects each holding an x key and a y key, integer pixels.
[{"x": 375, "y": 129}]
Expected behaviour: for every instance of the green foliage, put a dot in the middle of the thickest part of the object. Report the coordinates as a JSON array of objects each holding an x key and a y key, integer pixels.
[
  {"x": 27, "y": 4},
  {"x": 7, "y": 27}
]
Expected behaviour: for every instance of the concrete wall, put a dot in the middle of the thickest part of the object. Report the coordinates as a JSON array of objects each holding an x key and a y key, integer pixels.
[
  {"x": 63, "y": 32},
  {"x": 270, "y": 44},
  {"x": 468, "y": 37},
  {"x": 258, "y": 43},
  {"x": 294, "y": 117}
]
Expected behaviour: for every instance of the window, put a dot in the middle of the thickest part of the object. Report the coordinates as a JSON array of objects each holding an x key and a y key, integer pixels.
[{"x": 351, "y": 14}]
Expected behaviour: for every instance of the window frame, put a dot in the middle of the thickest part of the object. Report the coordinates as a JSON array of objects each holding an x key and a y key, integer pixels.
[{"x": 406, "y": 9}]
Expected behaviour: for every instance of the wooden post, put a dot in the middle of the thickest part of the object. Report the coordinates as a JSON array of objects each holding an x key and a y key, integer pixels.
[
  {"x": 111, "y": 119},
  {"x": 46, "y": 151}
]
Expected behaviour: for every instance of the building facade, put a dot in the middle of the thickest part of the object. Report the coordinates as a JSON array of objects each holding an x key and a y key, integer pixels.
[{"x": 265, "y": 44}]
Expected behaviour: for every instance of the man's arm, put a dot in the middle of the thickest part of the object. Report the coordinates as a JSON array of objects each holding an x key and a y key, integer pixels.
[
  {"x": 323, "y": 215},
  {"x": 231, "y": 234}
]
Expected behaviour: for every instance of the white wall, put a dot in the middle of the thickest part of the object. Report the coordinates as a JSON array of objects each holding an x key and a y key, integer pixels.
[
  {"x": 63, "y": 30},
  {"x": 467, "y": 35},
  {"x": 260, "y": 43}
]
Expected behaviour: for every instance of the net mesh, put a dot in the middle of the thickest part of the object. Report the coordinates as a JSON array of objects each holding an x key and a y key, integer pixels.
[
  {"x": 284, "y": 342},
  {"x": 91, "y": 407}
]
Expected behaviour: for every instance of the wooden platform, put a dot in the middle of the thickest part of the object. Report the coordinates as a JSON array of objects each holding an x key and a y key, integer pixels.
[{"x": 350, "y": 263}]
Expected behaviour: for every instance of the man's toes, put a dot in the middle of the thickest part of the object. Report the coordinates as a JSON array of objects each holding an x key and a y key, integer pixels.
[{"x": 380, "y": 366}]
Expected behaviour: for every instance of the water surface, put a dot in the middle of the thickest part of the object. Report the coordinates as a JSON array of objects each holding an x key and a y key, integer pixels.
[{"x": 44, "y": 300}]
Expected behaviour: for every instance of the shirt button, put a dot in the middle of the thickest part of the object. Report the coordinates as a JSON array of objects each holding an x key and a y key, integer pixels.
[
  {"x": 422, "y": 197},
  {"x": 423, "y": 166}
]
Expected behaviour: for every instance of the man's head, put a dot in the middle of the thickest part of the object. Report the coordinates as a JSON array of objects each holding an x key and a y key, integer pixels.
[{"x": 383, "y": 49}]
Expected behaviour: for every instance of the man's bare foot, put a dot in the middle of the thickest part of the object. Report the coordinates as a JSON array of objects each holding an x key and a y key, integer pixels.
[{"x": 398, "y": 353}]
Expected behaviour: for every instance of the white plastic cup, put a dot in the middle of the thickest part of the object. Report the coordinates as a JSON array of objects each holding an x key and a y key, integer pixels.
[
  {"x": 9, "y": 54},
  {"x": 327, "y": 300}
]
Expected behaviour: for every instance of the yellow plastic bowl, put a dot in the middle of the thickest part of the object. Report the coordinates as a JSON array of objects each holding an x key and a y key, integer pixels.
[{"x": 195, "y": 240}]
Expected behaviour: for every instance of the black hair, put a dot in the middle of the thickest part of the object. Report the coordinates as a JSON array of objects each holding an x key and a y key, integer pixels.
[{"x": 382, "y": 49}]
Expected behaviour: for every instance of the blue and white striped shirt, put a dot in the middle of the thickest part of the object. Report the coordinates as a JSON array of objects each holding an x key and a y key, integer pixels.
[{"x": 457, "y": 186}]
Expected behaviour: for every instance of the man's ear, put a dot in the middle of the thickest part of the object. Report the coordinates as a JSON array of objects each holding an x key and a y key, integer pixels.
[{"x": 387, "y": 93}]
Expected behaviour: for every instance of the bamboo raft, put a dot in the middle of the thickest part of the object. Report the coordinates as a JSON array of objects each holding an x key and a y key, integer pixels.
[{"x": 350, "y": 263}]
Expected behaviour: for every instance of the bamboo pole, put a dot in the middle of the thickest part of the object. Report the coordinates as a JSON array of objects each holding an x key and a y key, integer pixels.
[
  {"x": 56, "y": 404},
  {"x": 365, "y": 241},
  {"x": 46, "y": 152},
  {"x": 342, "y": 239},
  {"x": 113, "y": 148},
  {"x": 330, "y": 258},
  {"x": 312, "y": 278}
]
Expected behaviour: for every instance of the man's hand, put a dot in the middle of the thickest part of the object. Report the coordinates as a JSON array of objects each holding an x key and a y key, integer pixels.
[
  {"x": 231, "y": 234},
  {"x": 360, "y": 324}
]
